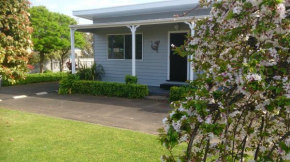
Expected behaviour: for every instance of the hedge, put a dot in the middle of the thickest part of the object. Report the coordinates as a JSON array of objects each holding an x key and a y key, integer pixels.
[
  {"x": 177, "y": 93},
  {"x": 129, "y": 79},
  {"x": 38, "y": 78},
  {"x": 100, "y": 88}
]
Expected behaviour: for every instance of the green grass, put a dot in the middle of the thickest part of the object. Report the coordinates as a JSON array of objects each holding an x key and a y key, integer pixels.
[{"x": 35, "y": 138}]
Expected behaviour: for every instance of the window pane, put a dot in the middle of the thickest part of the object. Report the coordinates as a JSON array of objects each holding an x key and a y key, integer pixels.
[
  {"x": 116, "y": 47},
  {"x": 139, "y": 46},
  {"x": 128, "y": 46}
]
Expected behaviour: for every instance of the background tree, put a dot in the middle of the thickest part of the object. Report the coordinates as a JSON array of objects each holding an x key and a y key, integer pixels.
[
  {"x": 238, "y": 109},
  {"x": 51, "y": 57},
  {"x": 63, "y": 40},
  {"x": 52, "y": 33},
  {"x": 15, "y": 39},
  {"x": 88, "y": 50}
]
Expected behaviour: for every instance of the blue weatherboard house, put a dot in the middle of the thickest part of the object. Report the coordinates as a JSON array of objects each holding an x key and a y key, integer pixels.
[{"x": 137, "y": 39}]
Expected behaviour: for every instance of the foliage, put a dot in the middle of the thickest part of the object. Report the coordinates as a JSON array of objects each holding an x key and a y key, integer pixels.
[
  {"x": 52, "y": 33},
  {"x": 69, "y": 65},
  {"x": 241, "y": 104},
  {"x": 93, "y": 73},
  {"x": 65, "y": 84},
  {"x": 15, "y": 39},
  {"x": 70, "y": 85},
  {"x": 129, "y": 79},
  {"x": 110, "y": 89},
  {"x": 47, "y": 71},
  {"x": 178, "y": 93},
  {"x": 88, "y": 50},
  {"x": 37, "y": 78}
]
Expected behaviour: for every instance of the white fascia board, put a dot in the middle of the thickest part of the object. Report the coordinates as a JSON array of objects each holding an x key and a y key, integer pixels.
[
  {"x": 147, "y": 7},
  {"x": 139, "y": 22}
]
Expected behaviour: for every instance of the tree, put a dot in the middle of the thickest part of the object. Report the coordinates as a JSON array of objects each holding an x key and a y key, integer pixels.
[
  {"x": 52, "y": 56},
  {"x": 15, "y": 39},
  {"x": 88, "y": 50},
  {"x": 44, "y": 35},
  {"x": 239, "y": 107},
  {"x": 52, "y": 33},
  {"x": 63, "y": 41}
]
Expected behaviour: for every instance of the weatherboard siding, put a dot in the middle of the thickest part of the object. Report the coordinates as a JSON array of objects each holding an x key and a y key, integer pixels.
[{"x": 152, "y": 70}]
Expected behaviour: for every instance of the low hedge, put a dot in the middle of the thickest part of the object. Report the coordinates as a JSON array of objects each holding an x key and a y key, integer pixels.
[
  {"x": 100, "y": 88},
  {"x": 178, "y": 93},
  {"x": 37, "y": 78}
]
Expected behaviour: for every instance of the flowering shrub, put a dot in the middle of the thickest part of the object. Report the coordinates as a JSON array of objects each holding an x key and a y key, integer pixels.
[
  {"x": 240, "y": 109},
  {"x": 15, "y": 39}
]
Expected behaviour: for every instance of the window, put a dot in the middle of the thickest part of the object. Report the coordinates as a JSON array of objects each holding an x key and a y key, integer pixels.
[
  {"x": 120, "y": 46},
  {"x": 116, "y": 47}
]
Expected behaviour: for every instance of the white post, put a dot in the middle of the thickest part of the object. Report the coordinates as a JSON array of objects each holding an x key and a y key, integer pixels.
[
  {"x": 191, "y": 26},
  {"x": 73, "y": 65},
  {"x": 133, "y": 31}
]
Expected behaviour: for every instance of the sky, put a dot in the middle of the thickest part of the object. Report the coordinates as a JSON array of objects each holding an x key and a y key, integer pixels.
[{"x": 67, "y": 6}]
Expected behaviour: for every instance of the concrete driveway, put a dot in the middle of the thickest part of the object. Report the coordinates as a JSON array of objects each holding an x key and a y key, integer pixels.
[{"x": 135, "y": 114}]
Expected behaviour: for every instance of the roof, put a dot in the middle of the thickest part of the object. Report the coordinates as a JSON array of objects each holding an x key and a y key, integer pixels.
[
  {"x": 139, "y": 22},
  {"x": 137, "y": 9}
]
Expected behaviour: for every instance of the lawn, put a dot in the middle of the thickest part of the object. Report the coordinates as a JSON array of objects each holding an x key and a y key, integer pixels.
[{"x": 29, "y": 137}]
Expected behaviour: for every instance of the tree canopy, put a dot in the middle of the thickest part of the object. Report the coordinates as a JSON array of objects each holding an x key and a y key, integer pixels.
[
  {"x": 238, "y": 109},
  {"x": 15, "y": 39},
  {"x": 52, "y": 33}
]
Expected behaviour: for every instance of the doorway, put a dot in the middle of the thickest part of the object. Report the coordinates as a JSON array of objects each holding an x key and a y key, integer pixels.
[{"x": 178, "y": 64}]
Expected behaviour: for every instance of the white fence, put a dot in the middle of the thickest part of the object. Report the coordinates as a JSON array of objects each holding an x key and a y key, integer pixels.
[{"x": 55, "y": 66}]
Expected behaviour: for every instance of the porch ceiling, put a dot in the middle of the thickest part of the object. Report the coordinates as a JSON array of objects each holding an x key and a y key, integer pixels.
[{"x": 90, "y": 27}]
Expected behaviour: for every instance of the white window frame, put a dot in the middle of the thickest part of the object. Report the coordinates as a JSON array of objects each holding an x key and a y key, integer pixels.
[{"x": 124, "y": 46}]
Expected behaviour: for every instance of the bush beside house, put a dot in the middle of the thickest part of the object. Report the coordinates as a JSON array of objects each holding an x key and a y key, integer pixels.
[
  {"x": 38, "y": 78},
  {"x": 129, "y": 79},
  {"x": 71, "y": 85}
]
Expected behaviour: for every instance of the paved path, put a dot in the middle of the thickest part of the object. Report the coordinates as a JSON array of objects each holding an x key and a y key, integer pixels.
[{"x": 140, "y": 115}]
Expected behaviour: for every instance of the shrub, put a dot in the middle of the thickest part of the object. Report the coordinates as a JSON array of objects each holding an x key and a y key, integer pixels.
[
  {"x": 85, "y": 74},
  {"x": 239, "y": 110},
  {"x": 48, "y": 71},
  {"x": 177, "y": 93},
  {"x": 104, "y": 89},
  {"x": 95, "y": 72},
  {"x": 65, "y": 85},
  {"x": 129, "y": 79},
  {"x": 37, "y": 78}
]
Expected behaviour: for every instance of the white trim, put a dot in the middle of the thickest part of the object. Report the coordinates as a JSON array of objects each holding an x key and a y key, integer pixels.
[
  {"x": 107, "y": 35},
  {"x": 137, "y": 22},
  {"x": 168, "y": 53},
  {"x": 133, "y": 29},
  {"x": 73, "y": 64},
  {"x": 192, "y": 33}
]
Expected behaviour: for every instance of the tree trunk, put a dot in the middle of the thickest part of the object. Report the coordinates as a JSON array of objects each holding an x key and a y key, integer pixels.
[
  {"x": 51, "y": 64},
  {"x": 61, "y": 62},
  {"x": 41, "y": 62},
  {"x": 60, "y": 66}
]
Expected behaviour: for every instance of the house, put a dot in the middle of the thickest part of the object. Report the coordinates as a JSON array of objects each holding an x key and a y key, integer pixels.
[{"x": 136, "y": 40}]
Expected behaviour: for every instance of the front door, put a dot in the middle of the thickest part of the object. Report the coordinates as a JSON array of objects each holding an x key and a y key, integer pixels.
[{"x": 178, "y": 64}]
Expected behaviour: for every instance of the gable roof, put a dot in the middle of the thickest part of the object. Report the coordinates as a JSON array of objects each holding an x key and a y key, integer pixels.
[{"x": 137, "y": 9}]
